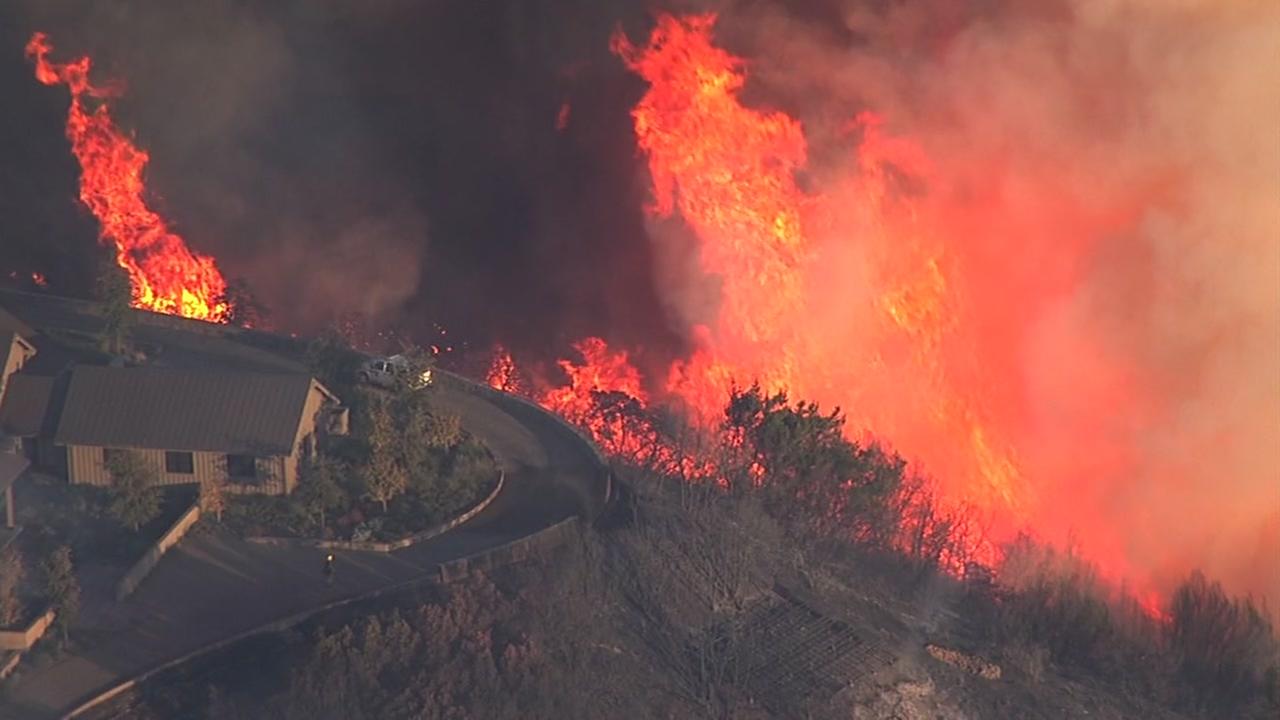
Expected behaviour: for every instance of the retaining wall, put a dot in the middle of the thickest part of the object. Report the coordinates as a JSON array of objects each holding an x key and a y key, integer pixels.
[
  {"x": 510, "y": 553},
  {"x": 147, "y": 563},
  {"x": 24, "y": 638},
  {"x": 8, "y": 662}
]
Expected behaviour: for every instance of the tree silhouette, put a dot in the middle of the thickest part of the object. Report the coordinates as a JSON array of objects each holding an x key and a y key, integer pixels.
[
  {"x": 62, "y": 589},
  {"x": 135, "y": 499},
  {"x": 115, "y": 299}
]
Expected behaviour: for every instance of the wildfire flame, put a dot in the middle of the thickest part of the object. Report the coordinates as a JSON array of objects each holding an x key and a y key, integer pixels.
[
  {"x": 604, "y": 396},
  {"x": 166, "y": 276},
  {"x": 502, "y": 373},
  {"x": 909, "y": 359},
  {"x": 603, "y": 371},
  {"x": 730, "y": 172}
]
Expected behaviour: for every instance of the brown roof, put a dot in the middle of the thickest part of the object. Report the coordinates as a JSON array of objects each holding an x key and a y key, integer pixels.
[
  {"x": 25, "y": 406},
  {"x": 168, "y": 409}
]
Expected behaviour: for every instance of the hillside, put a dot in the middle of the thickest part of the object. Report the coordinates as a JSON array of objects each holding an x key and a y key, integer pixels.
[{"x": 723, "y": 601}]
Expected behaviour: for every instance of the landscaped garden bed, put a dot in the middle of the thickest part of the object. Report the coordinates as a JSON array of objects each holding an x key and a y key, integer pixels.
[
  {"x": 405, "y": 469},
  {"x": 360, "y": 520}
]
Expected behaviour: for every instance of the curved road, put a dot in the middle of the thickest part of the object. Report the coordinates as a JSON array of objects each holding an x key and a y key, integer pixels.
[{"x": 212, "y": 586}]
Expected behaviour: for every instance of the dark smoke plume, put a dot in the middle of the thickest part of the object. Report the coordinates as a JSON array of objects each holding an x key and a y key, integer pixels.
[{"x": 467, "y": 164}]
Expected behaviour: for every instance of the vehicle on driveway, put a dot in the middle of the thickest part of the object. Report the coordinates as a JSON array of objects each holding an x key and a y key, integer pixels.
[{"x": 387, "y": 372}]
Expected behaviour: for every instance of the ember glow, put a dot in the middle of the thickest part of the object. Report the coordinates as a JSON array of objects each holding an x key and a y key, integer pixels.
[
  {"x": 166, "y": 276},
  {"x": 502, "y": 373},
  {"x": 954, "y": 288},
  {"x": 602, "y": 371},
  {"x": 604, "y": 397}
]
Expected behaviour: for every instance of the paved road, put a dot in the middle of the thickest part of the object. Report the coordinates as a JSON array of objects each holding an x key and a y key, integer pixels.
[{"x": 211, "y": 587}]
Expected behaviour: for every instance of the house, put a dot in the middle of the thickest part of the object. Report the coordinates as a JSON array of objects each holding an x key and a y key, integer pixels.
[
  {"x": 28, "y": 413},
  {"x": 251, "y": 429},
  {"x": 16, "y": 347},
  {"x": 207, "y": 404},
  {"x": 15, "y": 351}
]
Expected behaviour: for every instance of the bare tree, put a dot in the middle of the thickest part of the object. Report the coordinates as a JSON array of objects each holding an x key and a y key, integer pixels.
[
  {"x": 689, "y": 572},
  {"x": 213, "y": 495}
]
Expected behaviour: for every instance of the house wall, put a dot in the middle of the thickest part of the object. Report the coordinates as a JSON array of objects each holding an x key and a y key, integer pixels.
[
  {"x": 307, "y": 434},
  {"x": 85, "y": 466},
  {"x": 18, "y": 355}
]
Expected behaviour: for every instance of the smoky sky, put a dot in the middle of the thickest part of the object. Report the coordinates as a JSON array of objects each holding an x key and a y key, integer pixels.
[
  {"x": 398, "y": 161},
  {"x": 473, "y": 164}
]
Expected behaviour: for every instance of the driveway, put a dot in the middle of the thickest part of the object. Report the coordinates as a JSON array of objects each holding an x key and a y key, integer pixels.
[{"x": 212, "y": 586}]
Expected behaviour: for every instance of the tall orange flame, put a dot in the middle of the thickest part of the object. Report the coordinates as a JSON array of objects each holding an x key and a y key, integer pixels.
[
  {"x": 604, "y": 397},
  {"x": 895, "y": 342},
  {"x": 166, "y": 276}
]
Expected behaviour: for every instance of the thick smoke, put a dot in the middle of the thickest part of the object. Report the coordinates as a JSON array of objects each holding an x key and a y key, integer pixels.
[
  {"x": 397, "y": 159},
  {"x": 1103, "y": 187},
  {"x": 304, "y": 219},
  {"x": 1103, "y": 184}
]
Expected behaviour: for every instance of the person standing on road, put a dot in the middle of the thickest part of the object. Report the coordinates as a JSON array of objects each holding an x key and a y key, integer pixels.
[{"x": 328, "y": 569}]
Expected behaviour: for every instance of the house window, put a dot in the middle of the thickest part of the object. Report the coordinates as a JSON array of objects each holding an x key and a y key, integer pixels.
[
  {"x": 110, "y": 454},
  {"x": 179, "y": 463},
  {"x": 242, "y": 467}
]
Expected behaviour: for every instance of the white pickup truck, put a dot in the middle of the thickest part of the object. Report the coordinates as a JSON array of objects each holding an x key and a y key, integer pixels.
[{"x": 388, "y": 371}]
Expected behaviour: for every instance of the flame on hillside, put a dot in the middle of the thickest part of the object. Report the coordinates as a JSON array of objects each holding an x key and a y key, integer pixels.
[
  {"x": 166, "y": 276},
  {"x": 502, "y": 374},
  {"x": 938, "y": 293},
  {"x": 729, "y": 172}
]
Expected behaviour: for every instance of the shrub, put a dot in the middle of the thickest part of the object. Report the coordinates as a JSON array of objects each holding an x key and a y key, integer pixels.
[
  {"x": 1226, "y": 649},
  {"x": 812, "y": 478},
  {"x": 62, "y": 590},
  {"x": 320, "y": 489},
  {"x": 266, "y": 515}
]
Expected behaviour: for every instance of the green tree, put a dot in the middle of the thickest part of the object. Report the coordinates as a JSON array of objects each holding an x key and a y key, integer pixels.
[
  {"x": 114, "y": 294},
  {"x": 425, "y": 438},
  {"x": 135, "y": 499},
  {"x": 319, "y": 489},
  {"x": 11, "y": 574},
  {"x": 809, "y": 474},
  {"x": 62, "y": 590},
  {"x": 331, "y": 358},
  {"x": 383, "y": 476}
]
